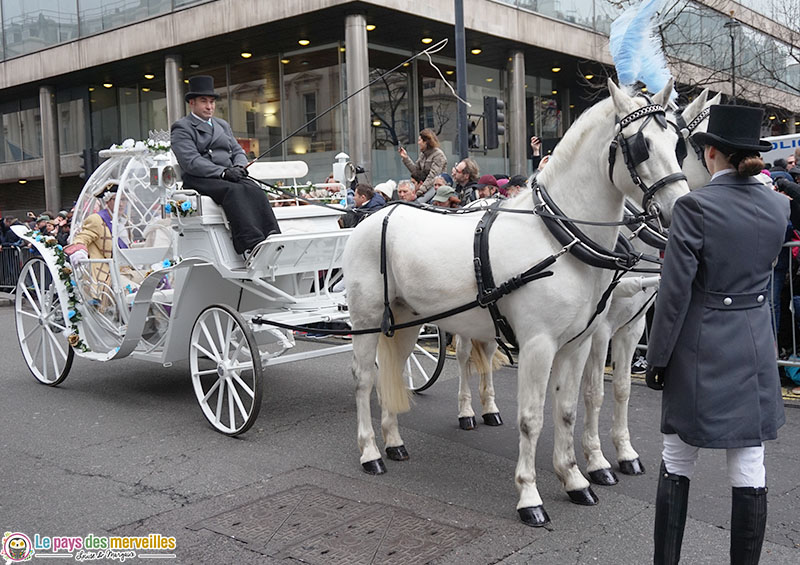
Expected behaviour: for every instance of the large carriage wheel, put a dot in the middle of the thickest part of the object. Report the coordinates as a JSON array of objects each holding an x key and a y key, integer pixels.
[
  {"x": 426, "y": 361},
  {"x": 226, "y": 369},
  {"x": 41, "y": 328}
]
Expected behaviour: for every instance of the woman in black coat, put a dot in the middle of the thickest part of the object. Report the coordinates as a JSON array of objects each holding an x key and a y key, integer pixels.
[{"x": 711, "y": 347}]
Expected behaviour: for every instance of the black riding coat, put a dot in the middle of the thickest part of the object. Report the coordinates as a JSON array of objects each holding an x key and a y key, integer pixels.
[{"x": 712, "y": 329}]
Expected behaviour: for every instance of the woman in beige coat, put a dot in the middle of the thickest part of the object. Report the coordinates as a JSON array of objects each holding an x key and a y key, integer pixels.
[{"x": 431, "y": 163}]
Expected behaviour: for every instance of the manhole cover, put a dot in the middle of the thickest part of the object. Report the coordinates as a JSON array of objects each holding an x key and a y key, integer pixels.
[{"x": 312, "y": 525}]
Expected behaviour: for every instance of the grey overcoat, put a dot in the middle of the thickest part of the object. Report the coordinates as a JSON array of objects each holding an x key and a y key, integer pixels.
[{"x": 712, "y": 329}]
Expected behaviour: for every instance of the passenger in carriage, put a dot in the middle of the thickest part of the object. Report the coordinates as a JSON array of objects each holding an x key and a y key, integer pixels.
[
  {"x": 214, "y": 164},
  {"x": 711, "y": 348}
]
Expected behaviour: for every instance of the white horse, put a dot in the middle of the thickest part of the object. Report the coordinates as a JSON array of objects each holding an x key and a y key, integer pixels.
[
  {"x": 623, "y": 319},
  {"x": 551, "y": 316},
  {"x": 623, "y": 326}
]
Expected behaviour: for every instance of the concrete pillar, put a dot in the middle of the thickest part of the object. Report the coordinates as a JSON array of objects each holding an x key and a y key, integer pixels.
[
  {"x": 176, "y": 106},
  {"x": 517, "y": 163},
  {"x": 51, "y": 157},
  {"x": 357, "y": 61},
  {"x": 566, "y": 111}
]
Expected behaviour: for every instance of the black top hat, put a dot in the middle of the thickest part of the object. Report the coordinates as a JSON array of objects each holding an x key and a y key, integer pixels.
[
  {"x": 201, "y": 85},
  {"x": 734, "y": 128}
]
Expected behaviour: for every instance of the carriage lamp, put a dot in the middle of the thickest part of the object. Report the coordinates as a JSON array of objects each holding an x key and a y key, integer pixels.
[{"x": 169, "y": 177}]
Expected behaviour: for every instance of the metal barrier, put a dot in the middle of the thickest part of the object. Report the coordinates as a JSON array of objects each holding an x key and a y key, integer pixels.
[
  {"x": 11, "y": 260},
  {"x": 779, "y": 315}
]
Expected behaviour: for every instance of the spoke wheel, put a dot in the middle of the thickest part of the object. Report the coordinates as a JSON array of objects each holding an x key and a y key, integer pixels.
[
  {"x": 226, "y": 370},
  {"x": 426, "y": 361},
  {"x": 41, "y": 328}
]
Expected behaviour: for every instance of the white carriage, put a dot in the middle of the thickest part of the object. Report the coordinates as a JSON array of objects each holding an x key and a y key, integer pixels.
[{"x": 174, "y": 288}]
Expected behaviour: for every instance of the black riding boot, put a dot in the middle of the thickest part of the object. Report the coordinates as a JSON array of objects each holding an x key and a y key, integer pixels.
[
  {"x": 748, "y": 522},
  {"x": 672, "y": 500}
]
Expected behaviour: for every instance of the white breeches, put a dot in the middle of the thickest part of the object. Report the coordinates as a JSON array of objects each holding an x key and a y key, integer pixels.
[{"x": 745, "y": 464}]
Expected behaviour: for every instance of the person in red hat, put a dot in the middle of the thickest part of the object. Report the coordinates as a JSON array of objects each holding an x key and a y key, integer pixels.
[
  {"x": 214, "y": 164},
  {"x": 711, "y": 349}
]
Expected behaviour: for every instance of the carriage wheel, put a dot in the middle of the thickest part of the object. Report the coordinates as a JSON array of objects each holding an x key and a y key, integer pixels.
[
  {"x": 426, "y": 361},
  {"x": 226, "y": 369},
  {"x": 41, "y": 329}
]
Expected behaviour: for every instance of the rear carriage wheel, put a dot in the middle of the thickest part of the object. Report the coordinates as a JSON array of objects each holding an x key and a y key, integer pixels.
[
  {"x": 426, "y": 361},
  {"x": 226, "y": 369},
  {"x": 41, "y": 328}
]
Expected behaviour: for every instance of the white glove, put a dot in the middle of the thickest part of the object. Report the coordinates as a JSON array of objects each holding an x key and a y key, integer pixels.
[{"x": 78, "y": 256}]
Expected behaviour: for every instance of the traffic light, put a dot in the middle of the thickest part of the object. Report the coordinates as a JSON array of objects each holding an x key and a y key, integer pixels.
[
  {"x": 474, "y": 140},
  {"x": 494, "y": 116}
]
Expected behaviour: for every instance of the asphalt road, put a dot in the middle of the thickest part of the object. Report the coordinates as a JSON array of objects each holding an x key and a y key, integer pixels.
[{"x": 122, "y": 449}]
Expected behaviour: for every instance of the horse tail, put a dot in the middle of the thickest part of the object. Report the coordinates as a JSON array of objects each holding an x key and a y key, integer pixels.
[
  {"x": 393, "y": 394},
  {"x": 478, "y": 359}
]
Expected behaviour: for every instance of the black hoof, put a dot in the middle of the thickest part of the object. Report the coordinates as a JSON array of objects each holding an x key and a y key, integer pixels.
[
  {"x": 467, "y": 423},
  {"x": 634, "y": 467},
  {"x": 493, "y": 419},
  {"x": 534, "y": 516},
  {"x": 604, "y": 477},
  {"x": 584, "y": 497},
  {"x": 398, "y": 453},
  {"x": 375, "y": 467}
]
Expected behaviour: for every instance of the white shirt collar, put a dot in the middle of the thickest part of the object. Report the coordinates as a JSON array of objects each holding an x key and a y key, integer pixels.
[
  {"x": 723, "y": 172},
  {"x": 199, "y": 118}
]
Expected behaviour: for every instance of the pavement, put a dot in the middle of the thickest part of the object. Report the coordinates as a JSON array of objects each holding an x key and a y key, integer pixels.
[{"x": 121, "y": 449}]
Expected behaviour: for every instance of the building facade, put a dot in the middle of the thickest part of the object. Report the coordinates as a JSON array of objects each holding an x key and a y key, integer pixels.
[{"x": 86, "y": 74}]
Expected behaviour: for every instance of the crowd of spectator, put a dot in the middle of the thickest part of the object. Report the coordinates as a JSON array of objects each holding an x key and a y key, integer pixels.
[{"x": 50, "y": 223}]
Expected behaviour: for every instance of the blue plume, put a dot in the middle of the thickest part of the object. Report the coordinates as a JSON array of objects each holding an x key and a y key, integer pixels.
[{"x": 636, "y": 47}]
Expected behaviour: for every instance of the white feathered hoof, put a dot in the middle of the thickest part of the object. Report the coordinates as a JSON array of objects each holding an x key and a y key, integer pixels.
[
  {"x": 467, "y": 423},
  {"x": 534, "y": 516},
  {"x": 375, "y": 467},
  {"x": 634, "y": 467},
  {"x": 603, "y": 477},
  {"x": 493, "y": 419},
  {"x": 584, "y": 496},
  {"x": 398, "y": 453}
]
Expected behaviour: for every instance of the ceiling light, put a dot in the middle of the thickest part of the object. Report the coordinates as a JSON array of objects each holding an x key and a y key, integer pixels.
[
  {"x": 406, "y": 64},
  {"x": 556, "y": 69},
  {"x": 490, "y": 79},
  {"x": 107, "y": 84},
  {"x": 797, "y": 123},
  {"x": 246, "y": 55},
  {"x": 783, "y": 120},
  {"x": 285, "y": 61},
  {"x": 449, "y": 72},
  {"x": 145, "y": 90},
  {"x": 186, "y": 81},
  {"x": 772, "y": 117},
  {"x": 303, "y": 42},
  {"x": 427, "y": 40},
  {"x": 588, "y": 77},
  {"x": 22, "y": 181},
  {"x": 376, "y": 123},
  {"x": 476, "y": 51},
  {"x": 91, "y": 89},
  {"x": 572, "y": 106},
  {"x": 148, "y": 76},
  {"x": 194, "y": 65},
  {"x": 341, "y": 49},
  {"x": 555, "y": 92},
  {"x": 370, "y": 27}
]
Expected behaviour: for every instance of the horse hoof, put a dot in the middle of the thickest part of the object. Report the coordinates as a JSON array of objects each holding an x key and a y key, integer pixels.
[
  {"x": 492, "y": 419},
  {"x": 534, "y": 516},
  {"x": 604, "y": 477},
  {"x": 634, "y": 467},
  {"x": 398, "y": 453},
  {"x": 584, "y": 496},
  {"x": 467, "y": 423},
  {"x": 375, "y": 467}
]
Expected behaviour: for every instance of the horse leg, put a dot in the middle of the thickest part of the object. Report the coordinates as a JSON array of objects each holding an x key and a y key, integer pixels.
[
  {"x": 535, "y": 361},
  {"x": 564, "y": 387},
  {"x": 364, "y": 348},
  {"x": 491, "y": 414},
  {"x": 597, "y": 466},
  {"x": 623, "y": 347},
  {"x": 393, "y": 393},
  {"x": 464, "y": 350}
]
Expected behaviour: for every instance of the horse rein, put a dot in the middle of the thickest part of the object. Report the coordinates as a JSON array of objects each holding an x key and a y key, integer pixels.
[{"x": 685, "y": 131}]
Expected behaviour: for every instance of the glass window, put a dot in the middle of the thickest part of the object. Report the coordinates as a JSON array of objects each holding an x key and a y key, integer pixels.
[
  {"x": 12, "y": 134},
  {"x": 72, "y": 124},
  {"x": 105, "y": 117},
  {"x": 99, "y": 15},
  {"x": 316, "y": 73},
  {"x": 256, "y": 106},
  {"x": 30, "y": 122},
  {"x": 153, "y": 107},
  {"x": 31, "y": 25}
]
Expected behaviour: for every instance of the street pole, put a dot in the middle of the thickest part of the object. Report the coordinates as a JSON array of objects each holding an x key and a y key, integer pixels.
[
  {"x": 732, "y": 24},
  {"x": 461, "y": 81}
]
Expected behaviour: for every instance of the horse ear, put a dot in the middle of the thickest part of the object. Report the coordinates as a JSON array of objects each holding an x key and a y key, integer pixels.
[
  {"x": 717, "y": 99},
  {"x": 663, "y": 97},
  {"x": 621, "y": 100}
]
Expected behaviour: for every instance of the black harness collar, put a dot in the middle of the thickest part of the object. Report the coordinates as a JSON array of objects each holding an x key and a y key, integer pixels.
[{"x": 689, "y": 129}]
